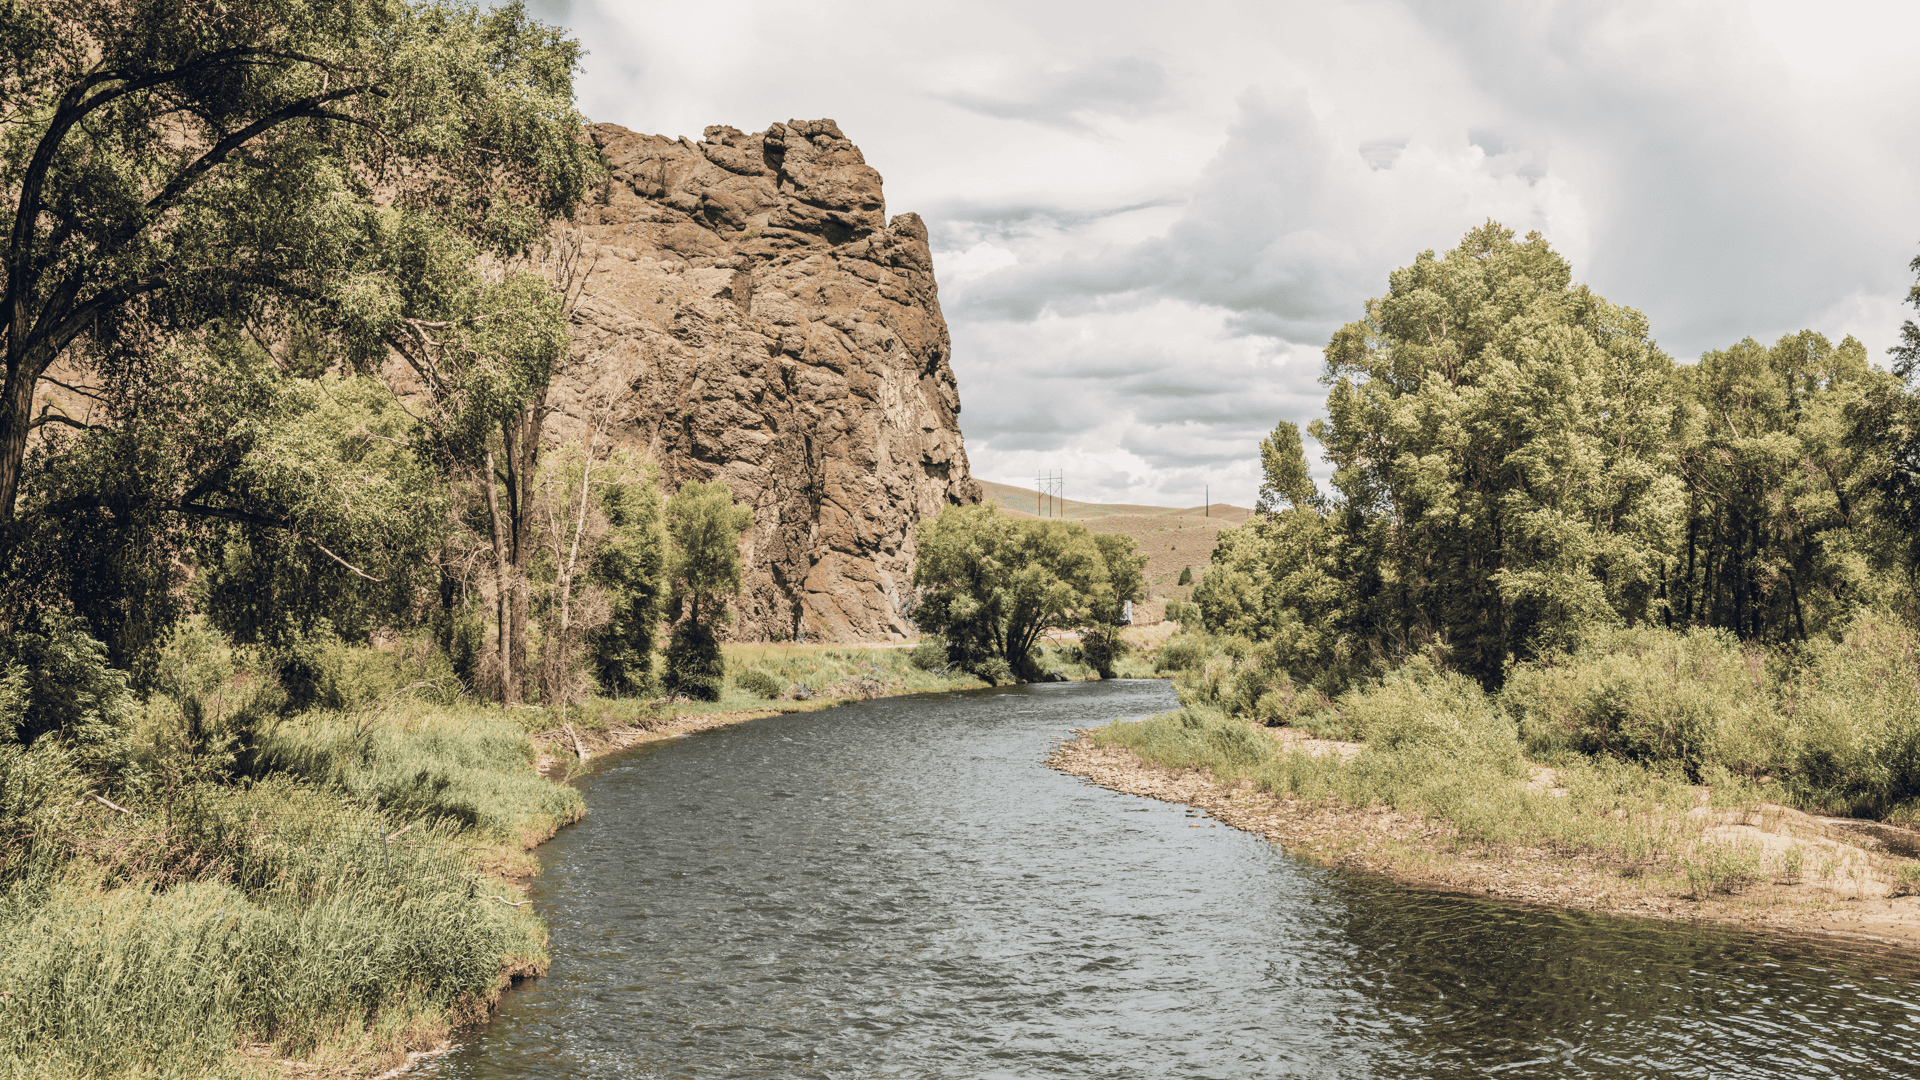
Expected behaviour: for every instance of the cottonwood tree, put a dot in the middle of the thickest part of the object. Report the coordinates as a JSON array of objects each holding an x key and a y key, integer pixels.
[
  {"x": 603, "y": 574},
  {"x": 316, "y": 177},
  {"x": 1503, "y": 441},
  {"x": 703, "y": 572}
]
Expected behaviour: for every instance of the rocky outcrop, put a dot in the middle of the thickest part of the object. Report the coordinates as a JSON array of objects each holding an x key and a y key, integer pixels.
[{"x": 752, "y": 316}]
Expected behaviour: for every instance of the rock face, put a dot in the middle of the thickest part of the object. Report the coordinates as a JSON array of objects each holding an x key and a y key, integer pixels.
[{"x": 753, "y": 317}]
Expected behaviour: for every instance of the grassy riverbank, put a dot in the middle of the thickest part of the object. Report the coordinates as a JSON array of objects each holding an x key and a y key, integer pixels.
[
  {"x": 1647, "y": 772},
  {"x": 314, "y": 894}
]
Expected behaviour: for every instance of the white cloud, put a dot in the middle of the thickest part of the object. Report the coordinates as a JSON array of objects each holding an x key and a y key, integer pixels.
[{"x": 1146, "y": 225}]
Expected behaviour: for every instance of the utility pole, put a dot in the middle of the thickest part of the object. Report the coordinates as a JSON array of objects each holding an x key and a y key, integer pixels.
[
  {"x": 1051, "y": 486},
  {"x": 1207, "y": 494}
]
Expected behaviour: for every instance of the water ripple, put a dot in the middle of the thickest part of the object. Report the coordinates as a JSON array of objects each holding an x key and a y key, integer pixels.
[{"x": 901, "y": 889}]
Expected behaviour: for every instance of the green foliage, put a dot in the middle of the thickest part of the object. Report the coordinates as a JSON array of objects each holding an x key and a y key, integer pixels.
[
  {"x": 1503, "y": 442},
  {"x": 207, "y": 206},
  {"x": 696, "y": 668},
  {"x": 335, "y": 459},
  {"x": 704, "y": 569},
  {"x": 59, "y": 687},
  {"x": 1186, "y": 576},
  {"x": 1783, "y": 536},
  {"x": 1855, "y": 707},
  {"x": 630, "y": 564},
  {"x": 992, "y": 585},
  {"x": 759, "y": 683},
  {"x": 930, "y": 653},
  {"x": 1690, "y": 701}
]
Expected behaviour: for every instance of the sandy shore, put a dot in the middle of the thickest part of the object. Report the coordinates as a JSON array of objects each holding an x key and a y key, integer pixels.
[{"x": 1845, "y": 890}]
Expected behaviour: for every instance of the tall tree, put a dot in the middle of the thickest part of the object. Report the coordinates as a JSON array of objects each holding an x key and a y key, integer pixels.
[
  {"x": 310, "y": 174},
  {"x": 703, "y": 573},
  {"x": 1502, "y": 438},
  {"x": 1778, "y": 542}
]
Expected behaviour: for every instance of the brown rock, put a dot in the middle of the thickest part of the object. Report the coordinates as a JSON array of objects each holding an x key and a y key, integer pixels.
[{"x": 757, "y": 319}]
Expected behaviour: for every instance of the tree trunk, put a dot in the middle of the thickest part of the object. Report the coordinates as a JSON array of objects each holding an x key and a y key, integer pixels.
[{"x": 503, "y": 588}]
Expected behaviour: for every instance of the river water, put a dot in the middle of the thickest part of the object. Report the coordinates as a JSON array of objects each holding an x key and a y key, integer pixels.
[{"x": 901, "y": 889}]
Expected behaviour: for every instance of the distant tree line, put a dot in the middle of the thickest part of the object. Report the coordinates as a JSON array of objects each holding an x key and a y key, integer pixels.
[{"x": 1518, "y": 465}]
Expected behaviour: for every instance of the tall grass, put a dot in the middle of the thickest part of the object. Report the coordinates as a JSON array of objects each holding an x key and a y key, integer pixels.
[
  {"x": 269, "y": 913},
  {"x": 306, "y": 885},
  {"x": 1830, "y": 725},
  {"x": 1608, "y": 808}
]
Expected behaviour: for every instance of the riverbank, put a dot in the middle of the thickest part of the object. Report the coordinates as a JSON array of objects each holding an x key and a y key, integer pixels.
[{"x": 1755, "y": 864}]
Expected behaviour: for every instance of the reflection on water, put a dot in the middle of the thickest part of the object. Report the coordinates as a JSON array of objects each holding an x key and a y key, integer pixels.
[{"x": 901, "y": 889}]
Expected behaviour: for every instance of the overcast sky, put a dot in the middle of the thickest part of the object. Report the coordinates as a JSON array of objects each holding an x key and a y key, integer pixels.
[{"x": 1147, "y": 218}]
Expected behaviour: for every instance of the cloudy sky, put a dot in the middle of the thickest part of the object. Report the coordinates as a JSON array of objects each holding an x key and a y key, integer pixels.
[{"x": 1147, "y": 218}]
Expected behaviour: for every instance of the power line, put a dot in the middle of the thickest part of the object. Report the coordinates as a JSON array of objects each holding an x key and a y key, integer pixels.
[{"x": 1047, "y": 488}]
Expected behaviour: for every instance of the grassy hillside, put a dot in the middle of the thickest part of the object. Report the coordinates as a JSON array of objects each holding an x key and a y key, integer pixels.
[{"x": 1172, "y": 538}]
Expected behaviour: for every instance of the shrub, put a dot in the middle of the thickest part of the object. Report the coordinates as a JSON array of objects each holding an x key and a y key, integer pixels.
[
  {"x": 930, "y": 654},
  {"x": 759, "y": 683},
  {"x": 1186, "y": 576},
  {"x": 695, "y": 667},
  {"x": 1101, "y": 646},
  {"x": 1181, "y": 652},
  {"x": 1856, "y": 713},
  {"x": 991, "y": 670},
  {"x": 1689, "y": 699},
  {"x": 60, "y": 685}
]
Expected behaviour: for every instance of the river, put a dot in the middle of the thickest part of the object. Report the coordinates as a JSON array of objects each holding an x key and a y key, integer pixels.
[{"x": 900, "y": 888}]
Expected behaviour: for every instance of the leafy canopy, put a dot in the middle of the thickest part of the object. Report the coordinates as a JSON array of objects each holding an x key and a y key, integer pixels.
[{"x": 322, "y": 177}]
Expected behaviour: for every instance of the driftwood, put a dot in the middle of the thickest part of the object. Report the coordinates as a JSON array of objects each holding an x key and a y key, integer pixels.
[
  {"x": 509, "y": 903},
  {"x": 577, "y": 748},
  {"x": 109, "y": 804}
]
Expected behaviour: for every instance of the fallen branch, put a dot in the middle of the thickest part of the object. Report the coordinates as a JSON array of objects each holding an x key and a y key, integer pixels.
[
  {"x": 509, "y": 903},
  {"x": 577, "y": 748},
  {"x": 109, "y": 804}
]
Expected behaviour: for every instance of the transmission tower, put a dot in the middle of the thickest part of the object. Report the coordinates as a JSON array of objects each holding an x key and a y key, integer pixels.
[{"x": 1049, "y": 494}]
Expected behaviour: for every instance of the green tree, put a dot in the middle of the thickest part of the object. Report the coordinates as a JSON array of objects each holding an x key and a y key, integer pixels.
[
  {"x": 1503, "y": 441},
  {"x": 317, "y": 178},
  {"x": 991, "y": 585},
  {"x": 1779, "y": 542},
  {"x": 1281, "y": 579},
  {"x": 703, "y": 573},
  {"x": 1100, "y": 640},
  {"x": 631, "y": 565}
]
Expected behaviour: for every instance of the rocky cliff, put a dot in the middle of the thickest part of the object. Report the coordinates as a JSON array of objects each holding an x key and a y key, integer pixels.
[{"x": 752, "y": 316}]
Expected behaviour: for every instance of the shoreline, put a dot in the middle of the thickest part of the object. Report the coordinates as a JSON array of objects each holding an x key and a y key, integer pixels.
[
  {"x": 1849, "y": 906},
  {"x": 565, "y": 754}
]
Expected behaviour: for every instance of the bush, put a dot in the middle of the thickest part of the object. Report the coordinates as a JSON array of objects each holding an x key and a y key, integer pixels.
[
  {"x": 1689, "y": 700},
  {"x": 695, "y": 667},
  {"x": 1181, "y": 652},
  {"x": 930, "y": 654},
  {"x": 1183, "y": 612},
  {"x": 759, "y": 683},
  {"x": 1856, "y": 712},
  {"x": 59, "y": 684},
  {"x": 1186, "y": 576},
  {"x": 991, "y": 670},
  {"x": 1101, "y": 647}
]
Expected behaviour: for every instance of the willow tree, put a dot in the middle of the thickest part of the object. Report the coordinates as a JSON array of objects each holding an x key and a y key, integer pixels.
[{"x": 318, "y": 177}]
